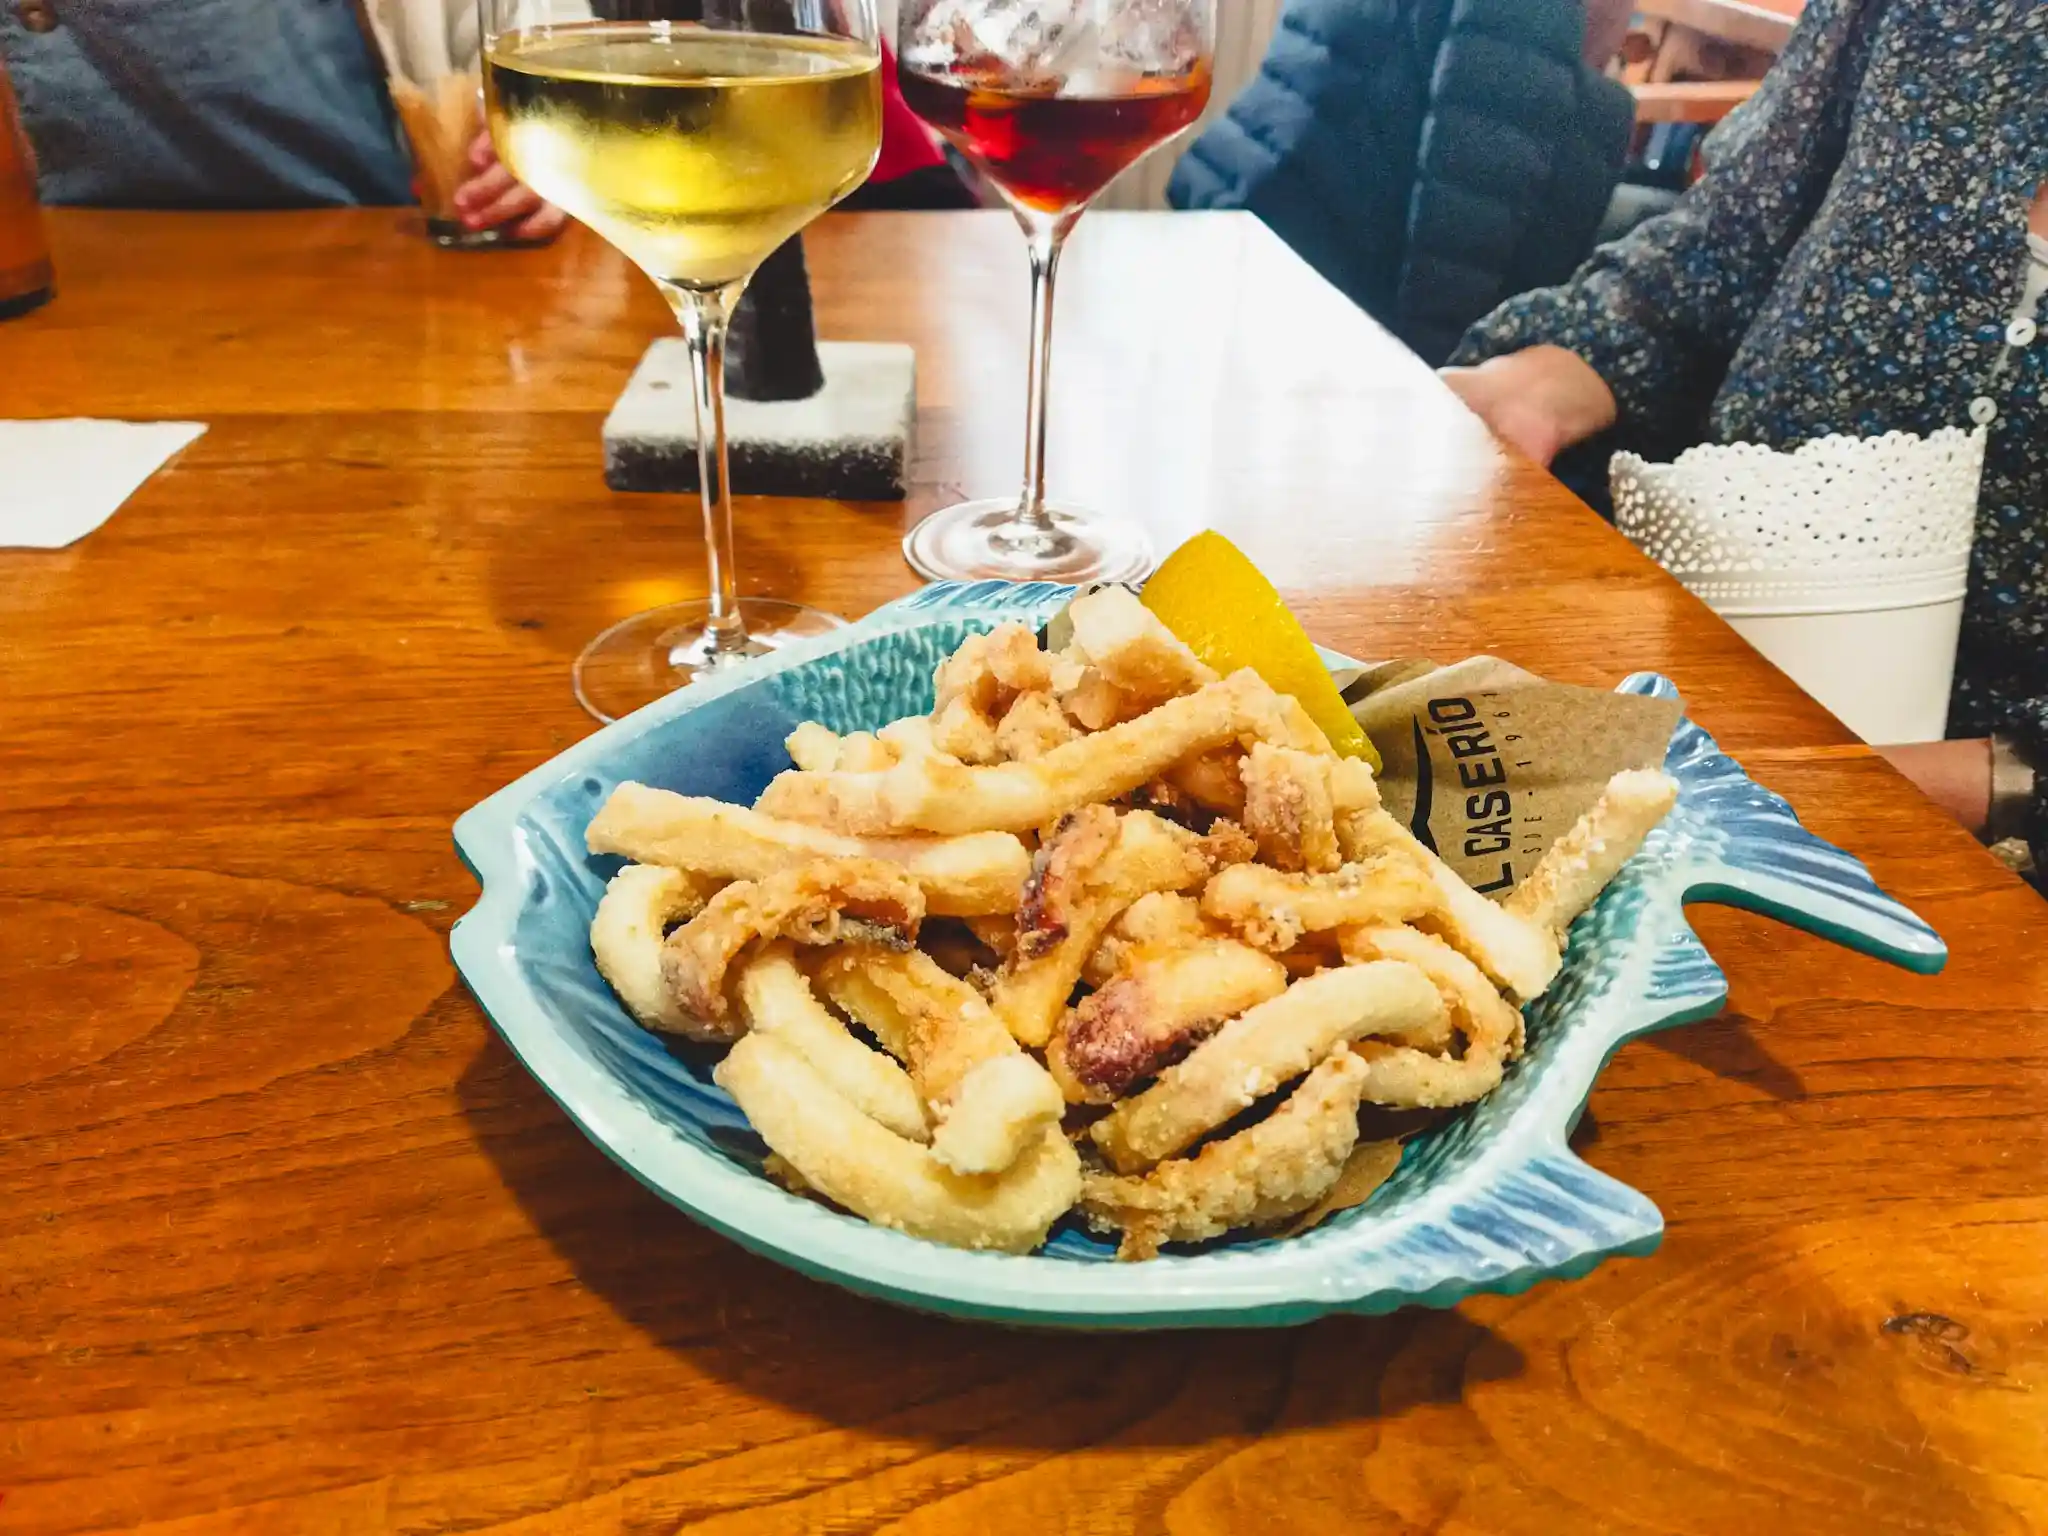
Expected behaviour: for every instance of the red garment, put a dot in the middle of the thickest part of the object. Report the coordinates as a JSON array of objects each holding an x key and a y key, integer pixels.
[{"x": 906, "y": 143}]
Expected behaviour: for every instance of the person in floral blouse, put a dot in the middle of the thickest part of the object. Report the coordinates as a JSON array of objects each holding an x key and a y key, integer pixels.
[{"x": 1866, "y": 253}]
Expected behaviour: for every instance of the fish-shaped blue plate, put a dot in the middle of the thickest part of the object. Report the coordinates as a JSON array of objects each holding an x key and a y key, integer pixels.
[{"x": 1491, "y": 1199}]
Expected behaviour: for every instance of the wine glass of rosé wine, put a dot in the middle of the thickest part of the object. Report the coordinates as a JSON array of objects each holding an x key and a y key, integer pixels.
[
  {"x": 696, "y": 136},
  {"x": 1050, "y": 99}
]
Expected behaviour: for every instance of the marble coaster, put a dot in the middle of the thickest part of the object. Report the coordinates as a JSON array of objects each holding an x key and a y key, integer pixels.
[{"x": 848, "y": 442}]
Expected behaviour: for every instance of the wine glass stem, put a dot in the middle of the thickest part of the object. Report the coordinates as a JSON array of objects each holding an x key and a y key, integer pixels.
[
  {"x": 704, "y": 316},
  {"x": 1044, "y": 238}
]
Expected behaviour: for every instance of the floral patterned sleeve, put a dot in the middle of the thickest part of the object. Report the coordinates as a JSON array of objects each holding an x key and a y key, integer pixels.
[{"x": 1660, "y": 313}]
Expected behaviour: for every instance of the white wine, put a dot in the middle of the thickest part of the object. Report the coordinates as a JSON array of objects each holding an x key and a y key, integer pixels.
[{"x": 695, "y": 152}]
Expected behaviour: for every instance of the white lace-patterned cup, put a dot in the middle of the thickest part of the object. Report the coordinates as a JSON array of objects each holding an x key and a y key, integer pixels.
[{"x": 1844, "y": 561}]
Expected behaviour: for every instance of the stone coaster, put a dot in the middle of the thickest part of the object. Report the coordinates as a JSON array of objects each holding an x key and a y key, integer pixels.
[{"x": 848, "y": 442}]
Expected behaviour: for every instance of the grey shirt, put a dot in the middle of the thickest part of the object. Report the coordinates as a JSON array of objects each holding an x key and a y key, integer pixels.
[{"x": 205, "y": 104}]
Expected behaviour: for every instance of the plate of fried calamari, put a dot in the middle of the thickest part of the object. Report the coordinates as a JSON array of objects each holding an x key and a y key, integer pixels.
[{"x": 1001, "y": 956}]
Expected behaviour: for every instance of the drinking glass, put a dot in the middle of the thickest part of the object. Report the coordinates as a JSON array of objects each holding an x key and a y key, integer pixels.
[
  {"x": 430, "y": 51},
  {"x": 696, "y": 136},
  {"x": 1050, "y": 99}
]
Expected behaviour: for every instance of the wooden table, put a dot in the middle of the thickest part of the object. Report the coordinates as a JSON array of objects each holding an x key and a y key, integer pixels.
[{"x": 289, "y": 1243}]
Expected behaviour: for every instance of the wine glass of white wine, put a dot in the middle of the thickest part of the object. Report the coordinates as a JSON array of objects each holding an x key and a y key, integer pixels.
[{"x": 696, "y": 136}]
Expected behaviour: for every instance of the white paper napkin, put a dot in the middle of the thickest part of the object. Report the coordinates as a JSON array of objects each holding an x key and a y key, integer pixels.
[{"x": 59, "y": 480}]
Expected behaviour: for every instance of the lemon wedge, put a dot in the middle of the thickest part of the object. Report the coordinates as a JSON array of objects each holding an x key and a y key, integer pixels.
[{"x": 1213, "y": 597}]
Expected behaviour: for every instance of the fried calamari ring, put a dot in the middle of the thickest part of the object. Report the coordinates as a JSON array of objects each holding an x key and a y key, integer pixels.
[
  {"x": 813, "y": 747},
  {"x": 1214, "y": 780},
  {"x": 865, "y": 752},
  {"x": 1263, "y": 1174},
  {"x": 971, "y": 875},
  {"x": 636, "y": 910},
  {"x": 1578, "y": 866},
  {"x": 988, "y": 671},
  {"x": 933, "y": 794},
  {"x": 1152, "y": 1014},
  {"x": 848, "y": 1158},
  {"x": 988, "y": 1100},
  {"x": 1091, "y": 700},
  {"x": 821, "y": 902},
  {"x": 1519, "y": 955},
  {"x": 775, "y": 998},
  {"x": 1273, "y": 910},
  {"x": 1133, "y": 651},
  {"x": 1259, "y": 1051},
  {"x": 963, "y": 732},
  {"x": 1032, "y": 727},
  {"x": 1402, "y": 1077}
]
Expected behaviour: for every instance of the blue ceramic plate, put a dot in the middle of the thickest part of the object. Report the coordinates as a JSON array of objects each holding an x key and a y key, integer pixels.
[{"x": 1490, "y": 1200}]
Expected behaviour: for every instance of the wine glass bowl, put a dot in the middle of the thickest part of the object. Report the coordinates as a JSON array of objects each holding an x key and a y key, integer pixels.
[
  {"x": 1051, "y": 100},
  {"x": 695, "y": 152},
  {"x": 696, "y": 136},
  {"x": 1051, "y": 145}
]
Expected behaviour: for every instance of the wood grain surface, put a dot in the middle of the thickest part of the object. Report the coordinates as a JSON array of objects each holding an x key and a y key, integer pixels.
[{"x": 289, "y": 1243}]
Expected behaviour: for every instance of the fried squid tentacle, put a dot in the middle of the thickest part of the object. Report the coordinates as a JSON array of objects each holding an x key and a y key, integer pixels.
[
  {"x": 1032, "y": 727},
  {"x": 813, "y": 747},
  {"x": 1152, "y": 1014},
  {"x": 1094, "y": 866},
  {"x": 962, "y": 732},
  {"x": 822, "y": 902},
  {"x": 989, "y": 671},
  {"x": 1213, "y": 780}
]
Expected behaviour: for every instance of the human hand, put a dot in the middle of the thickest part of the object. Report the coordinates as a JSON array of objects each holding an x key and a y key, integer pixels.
[
  {"x": 492, "y": 197},
  {"x": 1955, "y": 775},
  {"x": 1540, "y": 400}
]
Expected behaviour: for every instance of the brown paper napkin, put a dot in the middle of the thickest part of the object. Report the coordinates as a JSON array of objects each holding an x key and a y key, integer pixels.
[{"x": 1489, "y": 764}]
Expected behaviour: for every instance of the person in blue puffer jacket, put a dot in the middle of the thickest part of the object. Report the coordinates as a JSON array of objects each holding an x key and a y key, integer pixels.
[
  {"x": 225, "y": 104},
  {"x": 1431, "y": 158}
]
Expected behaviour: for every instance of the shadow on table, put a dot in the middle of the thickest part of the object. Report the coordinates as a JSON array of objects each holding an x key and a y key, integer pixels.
[
  {"x": 1728, "y": 1048},
  {"x": 823, "y": 1352}
]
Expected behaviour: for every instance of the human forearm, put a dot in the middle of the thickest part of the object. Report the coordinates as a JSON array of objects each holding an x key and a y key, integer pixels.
[
  {"x": 1541, "y": 400},
  {"x": 1955, "y": 775},
  {"x": 1659, "y": 314}
]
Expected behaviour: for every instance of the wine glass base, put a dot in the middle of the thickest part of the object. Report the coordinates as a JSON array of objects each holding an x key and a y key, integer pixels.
[
  {"x": 640, "y": 659},
  {"x": 984, "y": 540}
]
